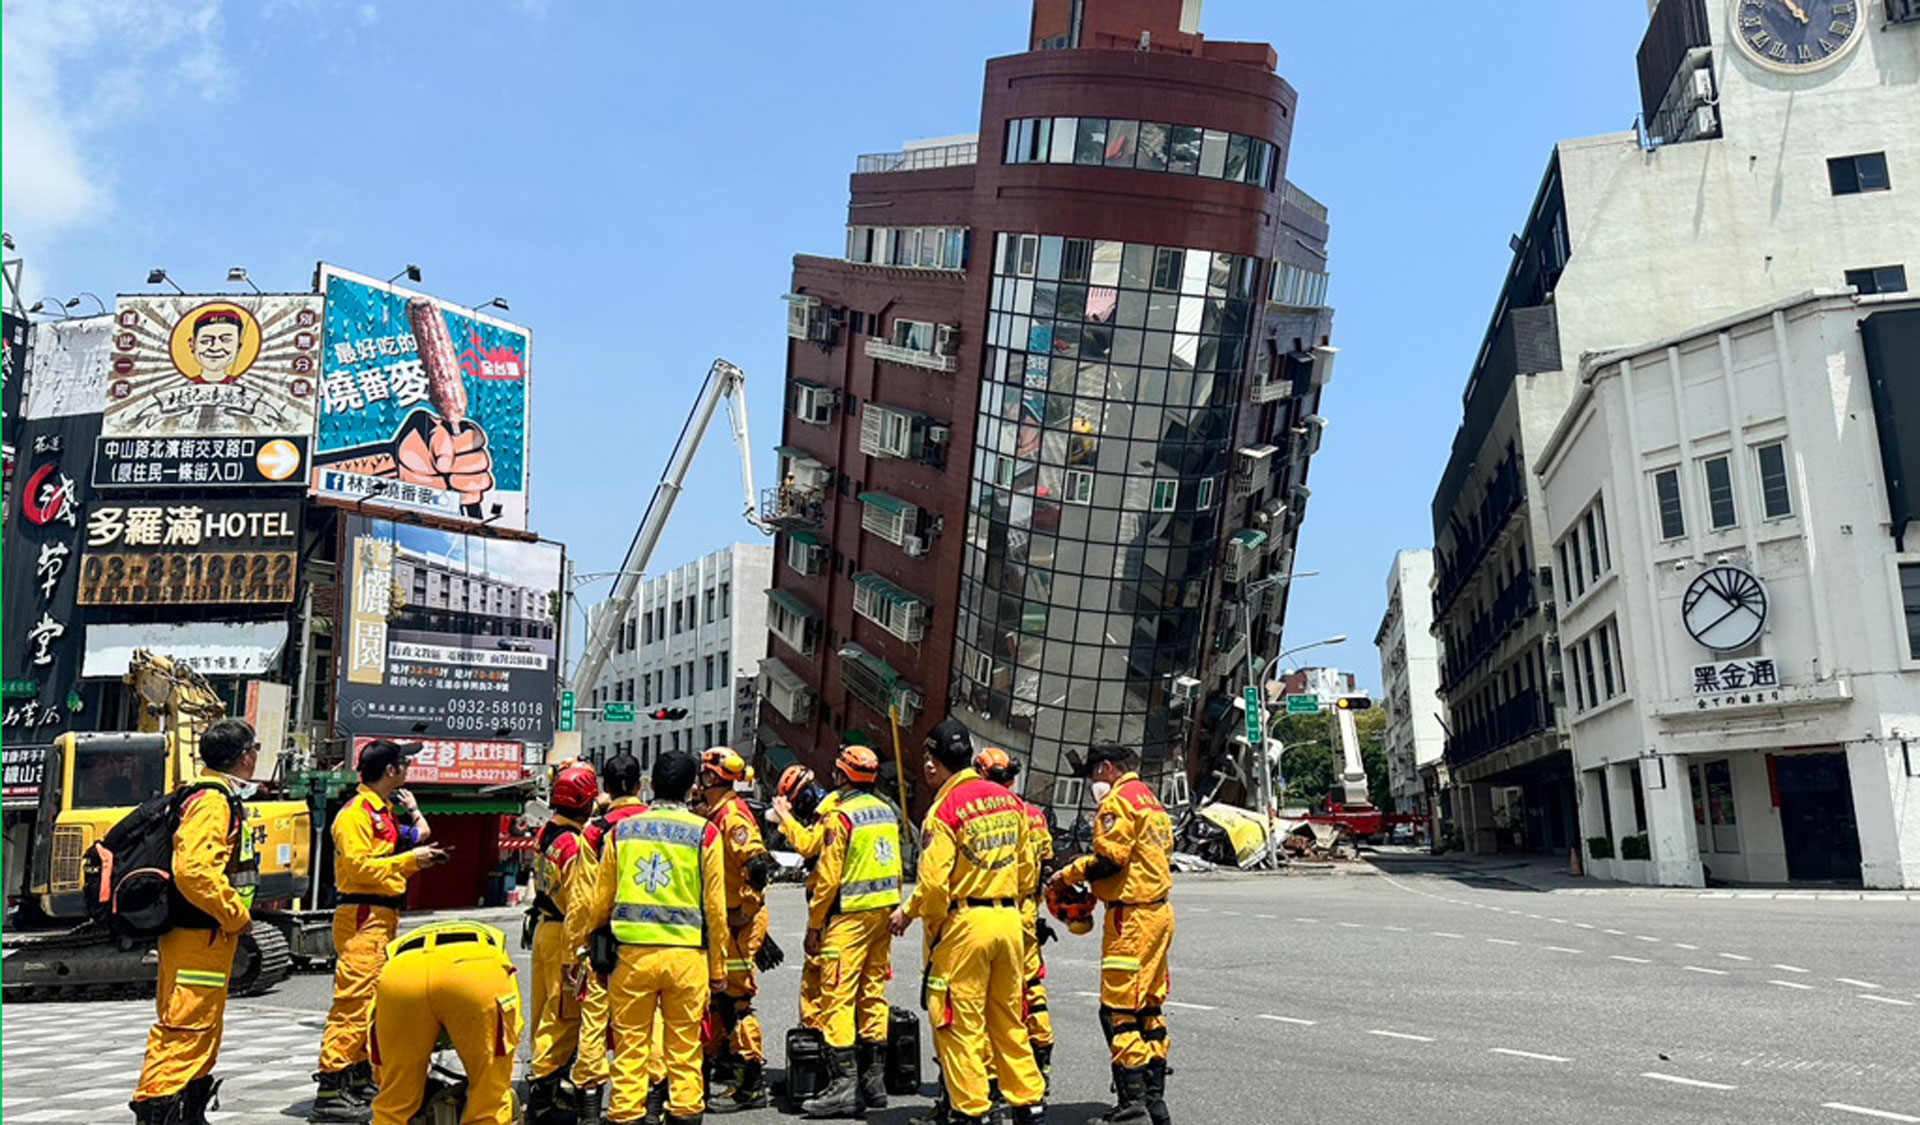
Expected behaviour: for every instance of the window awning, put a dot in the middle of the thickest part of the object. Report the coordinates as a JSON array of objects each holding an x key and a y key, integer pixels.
[
  {"x": 784, "y": 676},
  {"x": 793, "y": 604},
  {"x": 883, "y": 588},
  {"x": 886, "y": 503},
  {"x": 211, "y": 648},
  {"x": 796, "y": 453},
  {"x": 1251, "y": 539},
  {"x": 854, "y": 654},
  {"x": 805, "y": 538}
]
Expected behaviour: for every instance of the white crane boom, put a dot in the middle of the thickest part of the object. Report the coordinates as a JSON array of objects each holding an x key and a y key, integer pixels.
[{"x": 724, "y": 381}]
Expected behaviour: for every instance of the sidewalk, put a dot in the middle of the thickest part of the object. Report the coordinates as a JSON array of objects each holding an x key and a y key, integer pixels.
[{"x": 1548, "y": 874}]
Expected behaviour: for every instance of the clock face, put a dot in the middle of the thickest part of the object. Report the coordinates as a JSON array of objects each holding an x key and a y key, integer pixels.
[
  {"x": 1797, "y": 35},
  {"x": 1725, "y": 609}
]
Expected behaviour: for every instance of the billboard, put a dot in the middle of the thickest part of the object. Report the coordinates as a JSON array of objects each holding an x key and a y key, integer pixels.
[
  {"x": 450, "y": 761},
  {"x": 13, "y": 373},
  {"x": 207, "y": 366},
  {"x": 423, "y": 404},
  {"x": 444, "y": 635},
  {"x": 205, "y": 552},
  {"x": 67, "y": 371},
  {"x": 45, "y": 533}
]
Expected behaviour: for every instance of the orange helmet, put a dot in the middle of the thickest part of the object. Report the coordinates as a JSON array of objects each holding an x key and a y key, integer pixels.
[
  {"x": 1072, "y": 905},
  {"x": 793, "y": 780},
  {"x": 859, "y": 763},
  {"x": 995, "y": 765},
  {"x": 575, "y": 787},
  {"x": 725, "y": 764}
]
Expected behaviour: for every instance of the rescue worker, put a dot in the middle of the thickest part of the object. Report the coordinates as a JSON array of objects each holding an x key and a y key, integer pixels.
[
  {"x": 856, "y": 884},
  {"x": 798, "y": 808},
  {"x": 451, "y": 978},
  {"x": 975, "y": 865},
  {"x": 620, "y": 776},
  {"x": 1129, "y": 871},
  {"x": 748, "y": 869},
  {"x": 998, "y": 766},
  {"x": 374, "y": 854},
  {"x": 562, "y": 904},
  {"x": 214, "y": 874},
  {"x": 662, "y": 897}
]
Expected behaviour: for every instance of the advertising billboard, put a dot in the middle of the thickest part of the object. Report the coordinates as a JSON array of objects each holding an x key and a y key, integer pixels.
[
  {"x": 423, "y": 404},
  {"x": 443, "y": 635},
  {"x": 68, "y": 368},
  {"x": 450, "y": 761},
  {"x": 203, "y": 366},
  {"x": 203, "y": 552},
  {"x": 13, "y": 373}
]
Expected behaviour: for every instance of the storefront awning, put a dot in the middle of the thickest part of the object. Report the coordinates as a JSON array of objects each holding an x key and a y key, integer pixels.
[{"x": 212, "y": 648}]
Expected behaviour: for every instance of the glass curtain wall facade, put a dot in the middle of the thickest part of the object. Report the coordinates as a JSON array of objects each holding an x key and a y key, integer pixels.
[{"x": 1101, "y": 460}]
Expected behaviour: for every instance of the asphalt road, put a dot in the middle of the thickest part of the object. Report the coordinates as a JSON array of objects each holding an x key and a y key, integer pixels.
[{"x": 1412, "y": 995}]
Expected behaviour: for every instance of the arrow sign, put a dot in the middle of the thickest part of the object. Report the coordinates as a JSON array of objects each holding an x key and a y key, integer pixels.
[{"x": 278, "y": 459}]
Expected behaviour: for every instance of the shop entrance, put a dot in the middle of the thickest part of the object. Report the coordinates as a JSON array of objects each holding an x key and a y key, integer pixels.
[{"x": 1816, "y": 817}]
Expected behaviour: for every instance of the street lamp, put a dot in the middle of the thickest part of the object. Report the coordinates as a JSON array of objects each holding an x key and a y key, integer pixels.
[
  {"x": 96, "y": 300},
  {"x": 1258, "y": 697},
  {"x": 159, "y": 276},
  {"x": 496, "y": 303},
  {"x": 61, "y": 307},
  {"x": 411, "y": 273},
  {"x": 239, "y": 273}
]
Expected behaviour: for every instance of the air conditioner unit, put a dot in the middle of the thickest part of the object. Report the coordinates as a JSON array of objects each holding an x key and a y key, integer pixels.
[
  {"x": 1903, "y": 11},
  {"x": 1700, "y": 87},
  {"x": 1705, "y": 121},
  {"x": 946, "y": 339},
  {"x": 914, "y": 545},
  {"x": 1186, "y": 688},
  {"x": 939, "y": 435}
]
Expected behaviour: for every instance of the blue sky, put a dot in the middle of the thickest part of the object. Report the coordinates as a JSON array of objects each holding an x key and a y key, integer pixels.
[{"x": 635, "y": 177}]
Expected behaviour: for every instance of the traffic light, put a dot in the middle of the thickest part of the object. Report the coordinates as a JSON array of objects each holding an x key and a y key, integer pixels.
[
  {"x": 662, "y": 714},
  {"x": 1354, "y": 703}
]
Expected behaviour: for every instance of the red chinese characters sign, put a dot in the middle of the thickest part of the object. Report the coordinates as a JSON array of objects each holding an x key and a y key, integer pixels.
[{"x": 460, "y": 762}]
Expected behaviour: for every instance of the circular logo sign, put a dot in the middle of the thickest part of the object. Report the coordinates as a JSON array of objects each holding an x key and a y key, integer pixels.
[
  {"x": 1725, "y": 608},
  {"x": 215, "y": 343},
  {"x": 278, "y": 459}
]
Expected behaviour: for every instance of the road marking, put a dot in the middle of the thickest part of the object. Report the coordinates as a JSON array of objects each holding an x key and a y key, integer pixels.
[
  {"x": 1679, "y": 1081},
  {"x": 1684, "y": 945},
  {"x": 1558, "y": 921},
  {"x": 1350, "y": 925},
  {"x": 1229, "y": 914},
  {"x": 1733, "y": 956},
  {"x": 1632, "y": 960},
  {"x": 1401, "y": 1035},
  {"x": 1194, "y": 1007},
  {"x": 1264, "y": 917},
  {"x": 1886, "y": 999},
  {"x": 1792, "y": 984},
  {"x": 1584, "y": 925},
  {"x": 1643, "y": 937},
  {"x": 1535, "y": 917},
  {"x": 1882, "y": 1114},
  {"x": 1501, "y": 941},
  {"x": 1308, "y": 921},
  {"x": 1856, "y": 983},
  {"x": 1287, "y": 1019},
  {"x": 1558, "y": 949},
  {"x": 1704, "y": 969},
  {"x": 1397, "y": 929},
  {"x": 1093, "y": 995},
  {"x": 1445, "y": 934},
  {"x": 1615, "y": 933},
  {"x": 1789, "y": 968},
  {"x": 1198, "y": 910},
  {"x": 1528, "y": 1054}
]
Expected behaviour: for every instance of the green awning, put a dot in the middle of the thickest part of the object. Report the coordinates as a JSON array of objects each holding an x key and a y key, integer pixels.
[
  {"x": 886, "y": 503},
  {"x": 806, "y": 538},
  {"x": 793, "y": 604},
  {"x": 1251, "y": 539},
  {"x": 880, "y": 586},
  {"x": 794, "y": 451},
  {"x": 876, "y": 667},
  {"x": 453, "y": 805}
]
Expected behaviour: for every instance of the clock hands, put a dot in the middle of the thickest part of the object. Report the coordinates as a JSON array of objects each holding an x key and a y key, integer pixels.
[{"x": 1799, "y": 13}]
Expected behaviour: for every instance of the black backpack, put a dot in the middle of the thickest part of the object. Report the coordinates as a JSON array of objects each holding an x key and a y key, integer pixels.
[{"x": 128, "y": 873}]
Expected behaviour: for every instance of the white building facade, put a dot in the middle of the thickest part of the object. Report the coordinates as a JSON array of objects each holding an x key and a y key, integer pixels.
[
  {"x": 1410, "y": 686},
  {"x": 1740, "y": 626},
  {"x": 693, "y": 641}
]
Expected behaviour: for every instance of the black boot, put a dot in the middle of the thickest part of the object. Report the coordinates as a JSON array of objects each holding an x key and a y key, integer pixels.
[
  {"x": 550, "y": 1101},
  {"x": 696, "y": 1119},
  {"x": 360, "y": 1081},
  {"x": 202, "y": 1094},
  {"x": 939, "y": 1113},
  {"x": 1131, "y": 1087},
  {"x": 873, "y": 1074},
  {"x": 588, "y": 1099},
  {"x": 333, "y": 1100},
  {"x": 749, "y": 1090},
  {"x": 1043, "y": 1058},
  {"x": 170, "y": 1110},
  {"x": 1157, "y": 1092},
  {"x": 656, "y": 1103},
  {"x": 841, "y": 1098},
  {"x": 1029, "y": 1115}
]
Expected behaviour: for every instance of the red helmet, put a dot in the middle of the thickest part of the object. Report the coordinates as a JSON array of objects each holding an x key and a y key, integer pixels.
[
  {"x": 995, "y": 765},
  {"x": 575, "y": 787},
  {"x": 724, "y": 764},
  {"x": 1072, "y": 905},
  {"x": 859, "y": 763},
  {"x": 793, "y": 780}
]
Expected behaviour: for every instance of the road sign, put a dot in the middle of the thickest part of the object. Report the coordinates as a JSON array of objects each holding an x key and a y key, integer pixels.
[
  {"x": 566, "y": 711},
  {"x": 1255, "y": 715},
  {"x": 617, "y": 712},
  {"x": 1303, "y": 704}
]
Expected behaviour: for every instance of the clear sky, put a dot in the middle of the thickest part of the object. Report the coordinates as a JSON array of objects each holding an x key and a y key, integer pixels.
[{"x": 634, "y": 178}]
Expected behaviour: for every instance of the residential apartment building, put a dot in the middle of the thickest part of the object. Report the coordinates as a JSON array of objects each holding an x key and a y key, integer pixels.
[
  {"x": 693, "y": 640},
  {"x": 1050, "y": 416},
  {"x": 1753, "y": 176},
  {"x": 1410, "y": 696}
]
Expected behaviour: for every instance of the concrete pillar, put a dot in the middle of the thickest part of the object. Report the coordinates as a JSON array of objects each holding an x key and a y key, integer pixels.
[
  {"x": 1886, "y": 807},
  {"x": 1477, "y": 829},
  {"x": 1670, "y": 834}
]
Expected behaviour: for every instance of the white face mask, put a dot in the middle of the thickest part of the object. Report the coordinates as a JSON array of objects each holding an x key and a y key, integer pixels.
[{"x": 1101, "y": 789}]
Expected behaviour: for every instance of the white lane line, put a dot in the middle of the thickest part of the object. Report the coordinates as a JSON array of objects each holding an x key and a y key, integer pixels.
[
  {"x": 1558, "y": 921},
  {"x": 1615, "y": 933},
  {"x": 1584, "y": 925},
  {"x": 1643, "y": 937},
  {"x": 1679, "y": 1081},
  {"x": 1265, "y": 917},
  {"x": 1535, "y": 917},
  {"x": 1704, "y": 969},
  {"x": 1092, "y": 995},
  {"x": 1193, "y": 1007},
  {"x": 1400, "y": 1035},
  {"x": 1684, "y": 945},
  {"x": 1733, "y": 956},
  {"x": 1789, "y": 968},
  {"x": 1198, "y": 910},
  {"x": 1445, "y": 934},
  {"x": 1886, "y": 999},
  {"x": 1527, "y": 1054},
  {"x": 1631, "y": 960},
  {"x": 1229, "y": 914},
  {"x": 1351, "y": 925},
  {"x": 1856, "y": 983},
  {"x": 1792, "y": 984},
  {"x": 1558, "y": 949},
  {"x": 1308, "y": 921},
  {"x": 1882, "y": 1114},
  {"x": 1287, "y": 1019},
  {"x": 1396, "y": 929},
  {"x": 1501, "y": 941}
]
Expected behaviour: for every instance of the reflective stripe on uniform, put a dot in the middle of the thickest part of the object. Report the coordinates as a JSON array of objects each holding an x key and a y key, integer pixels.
[
  {"x": 739, "y": 966},
  {"x": 1120, "y": 964},
  {"x": 644, "y": 914},
  {"x": 200, "y": 978}
]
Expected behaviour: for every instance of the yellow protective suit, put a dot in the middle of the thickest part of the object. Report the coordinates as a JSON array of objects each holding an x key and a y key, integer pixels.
[
  {"x": 806, "y": 839},
  {"x": 1039, "y": 1021},
  {"x": 590, "y": 1065},
  {"x": 856, "y": 949},
  {"x": 567, "y": 877},
  {"x": 366, "y": 862},
  {"x": 456, "y": 978},
  {"x": 741, "y": 843}
]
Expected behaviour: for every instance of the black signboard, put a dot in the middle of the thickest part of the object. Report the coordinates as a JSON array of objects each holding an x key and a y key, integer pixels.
[
  {"x": 190, "y": 552},
  {"x": 209, "y": 462},
  {"x": 13, "y": 370},
  {"x": 45, "y": 534},
  {"x": 1891, "y": 340},
  {"x": 22, "y": 770}
]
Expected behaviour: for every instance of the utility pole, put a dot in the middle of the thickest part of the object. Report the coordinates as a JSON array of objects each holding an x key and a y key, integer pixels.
[{"x": 1258, "y": 720}]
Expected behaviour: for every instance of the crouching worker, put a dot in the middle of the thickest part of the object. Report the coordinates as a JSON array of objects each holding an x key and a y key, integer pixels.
[{"x": 452, "y": 978}]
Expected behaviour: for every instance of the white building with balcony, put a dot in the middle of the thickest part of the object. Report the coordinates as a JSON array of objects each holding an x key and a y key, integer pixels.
[{"x": 1416, "y": 733}]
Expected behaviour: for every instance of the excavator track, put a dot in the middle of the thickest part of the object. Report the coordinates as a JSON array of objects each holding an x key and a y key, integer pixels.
[
  {"x": 87, "y": 963},
  {"x": 262, "y": 961}
]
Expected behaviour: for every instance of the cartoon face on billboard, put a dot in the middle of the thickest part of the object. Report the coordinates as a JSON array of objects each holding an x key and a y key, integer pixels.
[{"x": 215, "y": 343}]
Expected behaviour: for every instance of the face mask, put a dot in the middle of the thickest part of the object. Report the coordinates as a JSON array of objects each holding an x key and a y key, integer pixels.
[
  {"x": 1101, "y": 789},
  {"x": 245, "y": 789}
]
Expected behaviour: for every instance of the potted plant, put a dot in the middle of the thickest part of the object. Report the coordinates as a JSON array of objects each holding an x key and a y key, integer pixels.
[
  {"x": 1600, "y": 847},
  {"x": 1636, "y": 847}
]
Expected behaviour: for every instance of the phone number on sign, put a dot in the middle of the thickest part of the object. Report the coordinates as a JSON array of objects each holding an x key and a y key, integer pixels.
[{"x": 487, "y": 715}]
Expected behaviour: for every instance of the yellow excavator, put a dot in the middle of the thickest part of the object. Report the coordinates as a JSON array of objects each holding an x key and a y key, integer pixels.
[{"x": 51, "y": 950}]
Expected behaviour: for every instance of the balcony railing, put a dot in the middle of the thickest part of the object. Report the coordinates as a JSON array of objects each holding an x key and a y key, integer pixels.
[
  {"x": 1512, "y": 605},
  {"x": 1505, "y": 494},
  {"x": 1293, "y": 196},
  {"x": 911, "y": 357},
  {"x": 1523, "y": 716},
  {"x": 920, "y": 159}
]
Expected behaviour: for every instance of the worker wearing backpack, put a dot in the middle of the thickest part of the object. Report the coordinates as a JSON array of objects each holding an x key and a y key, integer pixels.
[{"x": 214, "y": 871}]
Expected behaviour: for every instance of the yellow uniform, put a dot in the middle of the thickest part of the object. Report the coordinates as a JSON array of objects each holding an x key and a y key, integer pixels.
[
  {"x": 1130, "y": 872},
  {"x": 214, "y": 873},
  {"x": 1039, "y": 1022},
  {"x": 741, "y": 845},
  {"x": 855, "y": 887},
  {"x": 590, "y": 1068},
  {"x": 456, "y": 978},
  {"x": 564, "y": 878},
  {"x": 370, "y": 874},
  {"x": 976, "y": 864},
  {"x": 662, "y": 889},
  {"x": 806, "y": 840}
]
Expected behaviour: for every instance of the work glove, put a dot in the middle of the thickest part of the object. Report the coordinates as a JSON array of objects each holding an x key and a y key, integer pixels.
[
  {"x": 1044, "y": 931},
  {"x": 770, "y": 956}
]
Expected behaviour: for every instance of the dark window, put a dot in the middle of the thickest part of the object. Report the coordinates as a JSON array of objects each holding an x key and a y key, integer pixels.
[
  {"x": 1639, "y": 800},
  {"x": 1851, "y": 175},
  {"x": 1879, "y": 279},
  {"x": 1666, "y": 491},
  {"x": 1606, "y": 662},
  {"x": 1910, "y": 597},
  {"x": 1776, "y": 501},
  {"x": 1593, "y": 547},
  {"x": 1720, "y": 507}
]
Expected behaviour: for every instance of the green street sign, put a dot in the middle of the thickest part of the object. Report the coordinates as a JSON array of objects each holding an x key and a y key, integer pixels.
[
  {"x": 617, "y": 712},
  {"x": 1255, "y": 714},
  {"x": 1303, "y": 704},
  {"x": 566, "y": 711}
]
